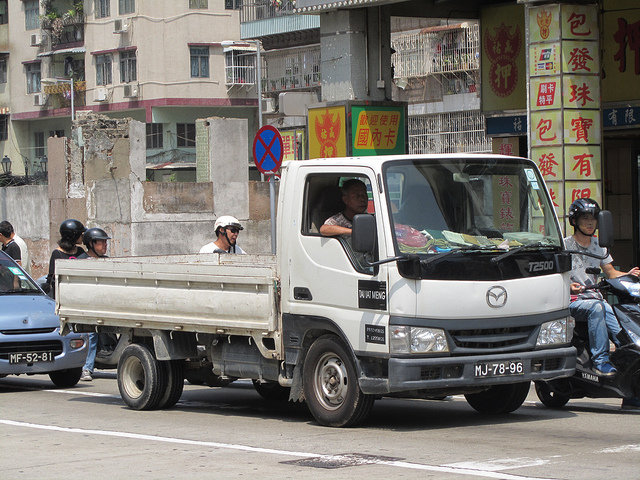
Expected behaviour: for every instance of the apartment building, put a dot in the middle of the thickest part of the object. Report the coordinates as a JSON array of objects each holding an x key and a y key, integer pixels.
[{"x": 162, "y": 62}]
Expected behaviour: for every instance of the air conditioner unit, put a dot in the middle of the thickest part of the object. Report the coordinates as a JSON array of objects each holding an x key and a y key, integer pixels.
[
  {"x": 100, "y": 94},
  {"x": 36, "y": 39},
  {"x": 39, "y": 99},
  {"x": 120, "y": 25},
  {"x": 132, "y": 91}
]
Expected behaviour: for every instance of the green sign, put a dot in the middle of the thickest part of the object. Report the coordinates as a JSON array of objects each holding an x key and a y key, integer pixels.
[{"x": 378, "y": 130}]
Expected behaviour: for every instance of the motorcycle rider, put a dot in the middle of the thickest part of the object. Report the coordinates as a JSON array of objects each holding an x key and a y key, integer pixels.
[
  {"x": 95, "y": 239},
  {"x": 227, "y": 229},
  {"x": 589, "y": 305}
]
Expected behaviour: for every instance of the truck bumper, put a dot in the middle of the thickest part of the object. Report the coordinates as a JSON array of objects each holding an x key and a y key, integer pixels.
[{"x": 451, "y": 373}]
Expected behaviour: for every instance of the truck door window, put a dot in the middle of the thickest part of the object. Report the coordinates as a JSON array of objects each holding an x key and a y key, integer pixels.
[{"x": 324, "y": 199}]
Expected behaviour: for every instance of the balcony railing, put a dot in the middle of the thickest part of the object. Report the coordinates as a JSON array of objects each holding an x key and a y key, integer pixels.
[
  {"x": 262, "y": 9},
  {"x": 66, "y": 29},
  {"x": 296, "y": 68}
]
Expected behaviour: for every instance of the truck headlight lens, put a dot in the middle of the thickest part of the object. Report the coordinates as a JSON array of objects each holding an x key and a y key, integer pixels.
[
  {"x": 417, "y": 340},
  {"x": 555, "y": 332}
]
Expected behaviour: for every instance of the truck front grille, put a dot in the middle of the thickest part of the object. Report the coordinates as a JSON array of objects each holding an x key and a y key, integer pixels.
[{"x": 491, "y": 338}]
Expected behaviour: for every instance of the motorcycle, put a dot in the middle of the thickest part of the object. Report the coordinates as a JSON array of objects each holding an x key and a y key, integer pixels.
[{"x": 626, "y": 358}]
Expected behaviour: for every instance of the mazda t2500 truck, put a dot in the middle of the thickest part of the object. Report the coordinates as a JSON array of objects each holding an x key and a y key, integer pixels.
[{"x": 453, "y": 282}]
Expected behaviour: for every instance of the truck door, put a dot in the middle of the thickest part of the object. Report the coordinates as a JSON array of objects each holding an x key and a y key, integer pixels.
[{"x": 327, "y": 278}]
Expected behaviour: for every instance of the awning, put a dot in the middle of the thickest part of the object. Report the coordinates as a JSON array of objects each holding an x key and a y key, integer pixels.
[
  {"x": 239, "y": 48},
  {"x": 62, "y": 51}
]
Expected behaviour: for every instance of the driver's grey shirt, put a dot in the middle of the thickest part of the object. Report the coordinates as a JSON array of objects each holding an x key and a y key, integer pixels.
[{"x": 580, "y": 263}]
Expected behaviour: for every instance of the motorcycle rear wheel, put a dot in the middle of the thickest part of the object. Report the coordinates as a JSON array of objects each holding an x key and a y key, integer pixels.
[{"x": 548, "y": 397}]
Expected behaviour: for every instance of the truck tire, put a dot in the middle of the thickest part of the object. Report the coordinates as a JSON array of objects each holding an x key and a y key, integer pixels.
[
  {"x": 66, "y": 378},
  {"x": 548, "y": 397},
  {"x": 331, "y": 385},
  {"x": 271, "y": 390},
  {"x": 173, "y": 371},
  {"x": 141, "y": 380},
  {"x": 499, "y": 399}
]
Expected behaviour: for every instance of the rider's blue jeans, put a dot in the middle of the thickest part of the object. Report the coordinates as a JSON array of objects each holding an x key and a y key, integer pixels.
[
  {"x": 91, "y": 352},
  {"x": 601, "y": 321}
]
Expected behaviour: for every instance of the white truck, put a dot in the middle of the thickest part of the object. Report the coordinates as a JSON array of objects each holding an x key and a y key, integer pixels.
[{"x": 454, "y": 282}]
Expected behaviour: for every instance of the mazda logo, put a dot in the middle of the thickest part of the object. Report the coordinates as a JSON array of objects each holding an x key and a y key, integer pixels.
[{"x": 496, "y": 297}]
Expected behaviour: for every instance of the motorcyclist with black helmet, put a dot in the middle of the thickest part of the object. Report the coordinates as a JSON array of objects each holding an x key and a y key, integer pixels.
[
  {"x": 95, "y": 239},
  {"x": 71, "y": 231}
]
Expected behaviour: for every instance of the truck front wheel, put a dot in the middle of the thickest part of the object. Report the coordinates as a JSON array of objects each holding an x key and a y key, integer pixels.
[
  {"x": 331, "y": 385},
  {"x": 141, "y": 378},
  {"x": 499, "y": 399}
]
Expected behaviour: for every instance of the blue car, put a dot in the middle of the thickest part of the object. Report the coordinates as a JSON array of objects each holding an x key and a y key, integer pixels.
[{"x": 30, "y": 341}]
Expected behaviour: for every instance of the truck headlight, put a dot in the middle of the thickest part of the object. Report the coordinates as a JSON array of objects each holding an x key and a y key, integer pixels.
[
  {"x": 555, "y": 332},
  {"x": 417, "y": 340}
]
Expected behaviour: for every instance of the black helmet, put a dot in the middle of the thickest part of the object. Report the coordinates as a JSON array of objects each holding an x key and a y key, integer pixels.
[
  {"x": 93, "y": 234},
  {"x": 580, "y": 206},
  {"x": 71, "y": 229}
]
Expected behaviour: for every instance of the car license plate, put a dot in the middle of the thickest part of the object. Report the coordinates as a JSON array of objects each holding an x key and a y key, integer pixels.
[
  {"x": 31, "y": 357},
  {"x": 499, "y": 369}
]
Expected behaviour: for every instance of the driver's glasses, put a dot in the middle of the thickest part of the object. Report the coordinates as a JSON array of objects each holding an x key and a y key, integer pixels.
[{"x": 233, "y": 229}]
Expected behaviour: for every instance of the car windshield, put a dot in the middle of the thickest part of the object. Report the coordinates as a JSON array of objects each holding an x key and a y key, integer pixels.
[
  {"x": 470, "y": 204},
  {"x": 13, "y": 280}
]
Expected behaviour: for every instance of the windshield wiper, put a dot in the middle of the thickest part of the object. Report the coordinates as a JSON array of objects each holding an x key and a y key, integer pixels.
[
  {"x": 459, "y": 248},
  {"x": 499, "y": 258}
]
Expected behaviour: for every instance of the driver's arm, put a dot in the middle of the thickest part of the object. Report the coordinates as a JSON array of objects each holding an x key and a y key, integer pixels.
[
  {"x": 611, "y": 272},
  {"x": 332, "y": 230}
]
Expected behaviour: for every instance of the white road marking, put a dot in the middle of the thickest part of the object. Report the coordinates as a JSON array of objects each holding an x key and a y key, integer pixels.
[
  {"x": 283, "y": 453},
  {"x": 621, "y": 449},
  {"x": 500, "y": 464},
  {"x": 88, "y": 394}
]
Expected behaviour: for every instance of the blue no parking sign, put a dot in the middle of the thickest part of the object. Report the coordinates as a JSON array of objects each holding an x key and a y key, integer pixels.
[{"x": 268, "y": 149}]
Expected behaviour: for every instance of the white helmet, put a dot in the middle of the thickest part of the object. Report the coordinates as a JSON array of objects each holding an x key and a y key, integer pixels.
[{"x": 227, "y": 221}]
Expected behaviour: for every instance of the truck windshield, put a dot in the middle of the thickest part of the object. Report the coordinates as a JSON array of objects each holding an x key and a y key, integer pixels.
[{"x": 445, "y": 204}]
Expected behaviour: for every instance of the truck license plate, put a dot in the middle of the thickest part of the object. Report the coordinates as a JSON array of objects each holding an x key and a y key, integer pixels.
[
  {"x": 499, "y": 369},
  {"x": 31, "y": 357}
]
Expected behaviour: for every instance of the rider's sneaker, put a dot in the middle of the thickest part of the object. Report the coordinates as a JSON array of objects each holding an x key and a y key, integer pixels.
[
  {"x": 86, "y": 376},
  {"x": 631, "y": 403},
  {"x": 606, "y": 369}
]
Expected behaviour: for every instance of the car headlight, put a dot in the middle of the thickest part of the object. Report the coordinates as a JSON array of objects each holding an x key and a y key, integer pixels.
[
  {"x": 555, "y": 332},
  {"x": 417, "y": 340}
]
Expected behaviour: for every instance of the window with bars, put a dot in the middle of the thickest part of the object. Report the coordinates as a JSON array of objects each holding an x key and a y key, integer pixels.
[
  {"x": 186, "y": 134},
  {"x": 232, "y": 4},
  {"x": 38, "y": 143},
  {"x": 154, "y": 135},
  {"x": 103, "y": 69},
  {"x": 128, "y": 66},
  {"x": 3, "y": 71},
  {"x": 34, "y": 76},
  {"x": 103, "y": 8},
  {"x": 199, "y": 62},
  {"x": 4, "y": 128},
  {"x": 126, "y": 6},
  {"x": 31, "y": 15},
  {"x": 198, "y": 3}
]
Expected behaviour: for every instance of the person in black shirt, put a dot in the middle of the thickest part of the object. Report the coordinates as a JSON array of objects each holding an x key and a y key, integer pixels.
[{"x": 71, "y": 231}]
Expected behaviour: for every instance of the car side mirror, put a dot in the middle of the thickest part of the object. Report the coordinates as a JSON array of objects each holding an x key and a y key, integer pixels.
[
  {"x": 363, "y": 233},
  {"x": 605, "y": 229}
]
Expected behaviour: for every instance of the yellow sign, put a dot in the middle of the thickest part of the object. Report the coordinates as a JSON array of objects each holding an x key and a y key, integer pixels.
[
  {"x": 504, "y": 76},
  {"x": 327, "y": 132},
  {"x": 580, "y": 57},
  {"x": 377, "y": 130},
  {"x": 556, "y": 192},
  {"x": 581, "y": 91},
  {"x": 579, "y": 22},
  {"x": 582, "y": 189},
  {"x": 544, "y": 24},
  {"x": 546, "y": 128},
  {"x": 582, "y": 126},
  {"x": 544, "y": 59},
  {"x": 621, "y": 61},
  {"x": 292, "y": 145},
  {"x": 583, "y": 162},
  {"x": 549, "y": 161}
]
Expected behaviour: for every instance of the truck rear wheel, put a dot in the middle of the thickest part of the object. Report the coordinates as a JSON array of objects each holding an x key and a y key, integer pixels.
[
  {"x": 66, "y": 378},
  {"x": 141, "y": 380},
  {"x": 499, "y": 399},
  {"x": 331, "y": 385},
  {"x": 173, "y": 371}
]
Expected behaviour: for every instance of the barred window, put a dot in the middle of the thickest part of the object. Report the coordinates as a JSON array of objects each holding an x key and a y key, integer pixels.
[
  {"x": 232, "y": 4},
  {"x": 102, "y": 8},
  {"x": 186, "y": 134},
  {"x": 3, "y": 71},
  {"x": 198, "y": 3},
  {"x": 31, "y": 15},
  {"x": 4, "y": 128},
  {"x": 33, "y": 77},
  {"x": 38, "y": 143},
  {"x": 128, "y": 66},
  {"x": 154, "y": 135},
  {"x": 103, "y": 69},
  {"x": 126, "y": 6}
]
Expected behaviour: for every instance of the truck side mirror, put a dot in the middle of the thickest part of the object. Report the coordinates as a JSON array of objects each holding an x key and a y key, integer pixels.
[
  {"x": 605, "y": 229},
  {"x": 363, "y": 233}
]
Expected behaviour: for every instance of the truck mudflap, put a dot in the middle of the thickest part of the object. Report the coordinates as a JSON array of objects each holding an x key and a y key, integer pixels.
[{"x": 472, "y": 371}]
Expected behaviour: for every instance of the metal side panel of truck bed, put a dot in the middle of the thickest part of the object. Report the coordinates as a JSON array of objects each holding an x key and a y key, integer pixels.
[{"x": 231, "y": 294}]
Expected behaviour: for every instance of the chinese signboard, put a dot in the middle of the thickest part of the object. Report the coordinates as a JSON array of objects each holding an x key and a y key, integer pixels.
[
  {"x": 503, "y": 58},
  {"x": 292, "y": 144},
  {"x": 327, "y": 132},
  {"x": 506, "y": 202},
  {"x": 564, "y": 107},
  {"x": 377, "y": 130}
]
